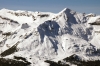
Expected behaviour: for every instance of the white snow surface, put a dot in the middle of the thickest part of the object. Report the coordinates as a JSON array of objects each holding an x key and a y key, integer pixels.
[{"x": 48, "y": 36}]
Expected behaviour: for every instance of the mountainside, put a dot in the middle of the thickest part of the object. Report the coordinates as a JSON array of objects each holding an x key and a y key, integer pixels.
[{"x": 40, "y": 36}]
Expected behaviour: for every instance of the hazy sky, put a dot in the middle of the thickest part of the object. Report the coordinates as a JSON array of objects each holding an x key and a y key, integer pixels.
[{"x": 87, "y": 6}]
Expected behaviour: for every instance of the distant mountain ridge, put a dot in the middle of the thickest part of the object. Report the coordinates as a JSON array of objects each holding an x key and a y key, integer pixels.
[{"x": 48, "y": 36}]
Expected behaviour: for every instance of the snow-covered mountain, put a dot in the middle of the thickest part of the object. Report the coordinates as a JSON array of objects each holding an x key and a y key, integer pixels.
[{"x": 47, "y": 36}]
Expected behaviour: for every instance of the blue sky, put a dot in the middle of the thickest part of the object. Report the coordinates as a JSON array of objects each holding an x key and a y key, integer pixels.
[{"x": 87, "y": 6}]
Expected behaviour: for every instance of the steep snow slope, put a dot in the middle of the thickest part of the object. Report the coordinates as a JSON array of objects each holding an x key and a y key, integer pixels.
[{"x": 43, "y": 35}]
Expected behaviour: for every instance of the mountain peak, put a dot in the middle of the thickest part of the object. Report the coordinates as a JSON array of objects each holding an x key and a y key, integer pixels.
[{"x": 66, "y": 9}]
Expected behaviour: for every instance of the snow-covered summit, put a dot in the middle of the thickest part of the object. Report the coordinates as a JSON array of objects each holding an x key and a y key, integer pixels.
[{"x": 44, "y": 35}]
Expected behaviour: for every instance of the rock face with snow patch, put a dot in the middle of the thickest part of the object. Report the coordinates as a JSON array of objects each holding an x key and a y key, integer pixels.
[{"x": 44, "y": 35}]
